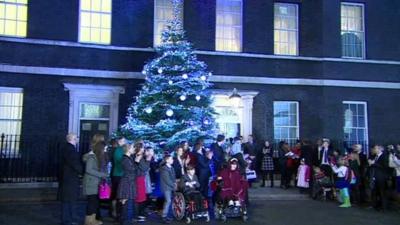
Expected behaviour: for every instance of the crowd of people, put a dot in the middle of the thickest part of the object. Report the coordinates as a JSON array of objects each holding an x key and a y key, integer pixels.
[
  {"x": 136, "y": 174},
  {"x": 359, "y": 178}
]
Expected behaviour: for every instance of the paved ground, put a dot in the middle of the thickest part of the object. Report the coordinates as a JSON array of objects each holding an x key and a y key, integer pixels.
[{"x": 267, "y": 212}]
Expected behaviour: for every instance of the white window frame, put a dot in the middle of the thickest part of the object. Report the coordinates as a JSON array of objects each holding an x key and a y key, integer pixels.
[
  {"x": 287, "y": 30},
  {"x": 14, "y": 153},
  {"x": 297, "y": 120},
  {"x": 16, "y": 20},
  {"x": 79, "y": 26},
  {"x": 363, "y": 48},
  {"x": 366, "y": 120},
  {"x": 155, "y": 36},
  {"x": 241, "y": 29}
]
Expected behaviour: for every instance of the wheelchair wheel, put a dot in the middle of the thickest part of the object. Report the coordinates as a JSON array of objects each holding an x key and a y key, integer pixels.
[
  {"x": 178, "y": 206},
  {"x": 188, "y": 220},
  {"x": 245, "y": 218}
]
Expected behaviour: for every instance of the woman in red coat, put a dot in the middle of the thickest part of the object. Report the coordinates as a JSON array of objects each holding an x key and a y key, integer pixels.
[{"x": 234, "y": 185}]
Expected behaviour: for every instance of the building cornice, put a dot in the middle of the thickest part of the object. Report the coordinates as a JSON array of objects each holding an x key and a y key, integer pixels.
[
  {"x": 251, "y": 79},
  {"x": 200, "y": 52}
]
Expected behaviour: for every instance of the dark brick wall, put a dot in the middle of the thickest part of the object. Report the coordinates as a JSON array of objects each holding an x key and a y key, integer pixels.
[
  {"x": 46, "y": 103},
  {"x": 53, "y": 20},
  {"x": 321, "y": 110},
  {"x": 132, "y": 23},
  {"x": 199, "y": 23}
]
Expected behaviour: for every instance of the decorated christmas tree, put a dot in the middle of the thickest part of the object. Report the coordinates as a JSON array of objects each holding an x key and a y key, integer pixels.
[{"x": 174, "y": 103}]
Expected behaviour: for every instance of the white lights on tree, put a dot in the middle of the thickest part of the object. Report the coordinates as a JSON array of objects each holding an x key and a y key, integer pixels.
[
  {"x": 148, "y": 110},
  {"x": 170, "y": 82},
  {"x": 144, "y": 72},
  {"x": 182, "y": 97},
  {"x": 160, "y": 70},
  {"x": 185, "y": 76},
  {"x": 206, "y": 121},
  {"x": 203, "y": 78},
  {"x": 169, "y": 112},
  {"x": 210, "y": 74},
  {"x": 198, "y": 97}
]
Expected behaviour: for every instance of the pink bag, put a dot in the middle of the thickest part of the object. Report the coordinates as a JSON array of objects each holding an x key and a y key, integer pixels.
[{"x": 104, "y": 190}]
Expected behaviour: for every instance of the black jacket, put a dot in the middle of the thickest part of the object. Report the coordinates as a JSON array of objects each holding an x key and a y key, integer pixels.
[
  {"x": 72, "y": 168},
  {"x": 380, "y": 168},
  {"x": 219, "y": 155}
]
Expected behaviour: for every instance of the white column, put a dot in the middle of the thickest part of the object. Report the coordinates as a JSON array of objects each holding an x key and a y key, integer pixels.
[{"x": 247, "y": 101}]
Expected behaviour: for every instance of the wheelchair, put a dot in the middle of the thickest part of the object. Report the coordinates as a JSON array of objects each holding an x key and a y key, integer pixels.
[
  {"x": 228, "y": 208},
  {"x": 182, "y": 208}
]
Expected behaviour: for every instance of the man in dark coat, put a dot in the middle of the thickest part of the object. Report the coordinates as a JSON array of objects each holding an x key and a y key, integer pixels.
[
  {"x": 69, "y": 182},
  {"x": 218, "y": 151},
  {"x": 379, "y": 174}
]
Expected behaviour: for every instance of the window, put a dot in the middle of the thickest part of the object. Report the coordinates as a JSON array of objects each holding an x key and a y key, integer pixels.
[
  {"x": 95, "y": 21},
  {"x": 11, "y": 102},
  {"x": 286, "y": 121},
  {"x": 163, "y": 12},
  {"x": 355, "y": 123},
  {"x": 13, "y": 17},
  {"x": 352, "y": 30},
  {"x": 286, "y": 29},
  {"x": 229, "y": 26}
]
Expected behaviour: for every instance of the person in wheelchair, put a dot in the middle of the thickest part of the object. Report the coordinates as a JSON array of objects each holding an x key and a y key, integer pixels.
[
  {"x": 189, "y": 186},
  {"x": 232, "y": 185}
]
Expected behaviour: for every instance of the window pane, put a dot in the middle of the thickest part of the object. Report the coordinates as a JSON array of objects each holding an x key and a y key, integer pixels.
[
  {"x": 285, "y": 29},
  {"x": 285, "y": 120},
  {"x": 163, "y": 13},
  {"x": 95, "y": 21},
  {"x": 355, "y": 124},
  {"x": 352, "y": 20},
  {"x": 95, "y": 111},
  {"x": 228, "y": 35}
]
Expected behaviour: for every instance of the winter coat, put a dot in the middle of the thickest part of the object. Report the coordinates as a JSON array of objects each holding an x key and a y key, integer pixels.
[
  {"x": 127, "y": 185},
  {"x": 186, "y": 188},
  {"x": 93, "y": 175},
  {"x": 71, "y": 170},
  {"x": 167, "y": 178}
]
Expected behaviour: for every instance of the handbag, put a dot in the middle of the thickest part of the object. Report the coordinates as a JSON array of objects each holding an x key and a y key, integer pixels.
[{"x": 104, "y": 190}]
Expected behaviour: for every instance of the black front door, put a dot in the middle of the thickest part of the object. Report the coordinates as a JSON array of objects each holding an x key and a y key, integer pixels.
[{"x": 88, "y": 128}]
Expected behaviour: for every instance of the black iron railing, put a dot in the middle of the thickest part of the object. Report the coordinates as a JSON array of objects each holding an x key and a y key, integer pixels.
[{"x": 30, "y": 158}]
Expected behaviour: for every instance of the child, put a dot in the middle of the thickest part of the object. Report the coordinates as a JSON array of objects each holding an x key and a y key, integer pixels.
[
  {"x": 303, "y": 176},
  {"x": 143, "y": 167},
  {"x": 127, "y": 186},
  {"x": 190, "y": 186},
  {"x": 267, "y": 164},
  {"x": 168, "y": 185},
  {"x": 342, "y": 183}
]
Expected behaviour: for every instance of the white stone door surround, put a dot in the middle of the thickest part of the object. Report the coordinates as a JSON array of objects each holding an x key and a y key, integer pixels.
[
  {"x": 89, "y": 93},
  {"x": 246, "y": 108}
]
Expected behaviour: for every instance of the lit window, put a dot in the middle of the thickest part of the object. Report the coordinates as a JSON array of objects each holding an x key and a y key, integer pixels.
[
  {"x": 352, "y": 30},
  {"x": 164, "y": 11},
  {"x": 11, "y": 102},
  {"x": 95, "y": 21},
  {"x": 355, "y": 123},
  {"x": 13, "y": 17},
  {"x": 228, "y": 35},
  {"x": 286, "y": 29},
  {"x": 286, "y": 121}
]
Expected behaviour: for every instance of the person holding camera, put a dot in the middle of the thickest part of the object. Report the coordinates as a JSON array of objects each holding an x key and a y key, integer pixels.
[{"x": 394, "y": 162}]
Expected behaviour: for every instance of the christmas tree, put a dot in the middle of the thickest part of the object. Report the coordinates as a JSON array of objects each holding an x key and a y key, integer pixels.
[{"x": 174, "y": 103}]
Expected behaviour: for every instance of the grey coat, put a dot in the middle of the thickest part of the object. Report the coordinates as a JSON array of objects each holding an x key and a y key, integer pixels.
[
  {"x": 93, "y": 175},
  {"x": 167, "y": 178}
]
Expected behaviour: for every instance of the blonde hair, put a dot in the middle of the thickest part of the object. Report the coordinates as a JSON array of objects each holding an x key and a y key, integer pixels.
[
  {"x": 126, "y": 147},
  {"x": 70, "y": 136},
  {"x": 97, "y": 138}
]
